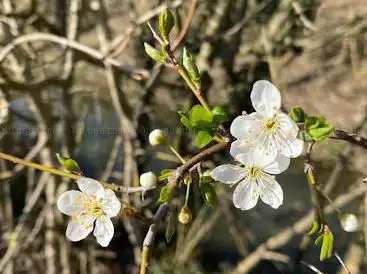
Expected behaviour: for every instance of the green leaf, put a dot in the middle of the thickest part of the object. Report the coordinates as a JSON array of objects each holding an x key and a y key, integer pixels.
[
  {"x": 318, "y": 128},
  {"x": 166, "y": 23},
  {"x": 297, "y": 115},
  {"x": 190, "y": 66},
  {"x": 316, "y": 227},
  {"x": 319, "y": 240},
  {"x": 68, "y": 164},
  {"x": 165, "y": 173},
  {"x": 202, "y": 138},
  {"x": 209, "y": 194},
  {"x": 171, "y": 225},
  {"x": 200, "y": 117},
  {"x": 185, "y": 119},
  {"x": 166, "y": 194},
  {"x": 327, "y": 245},
  {"x": 303, "y": 135},
  {"x": 156, "y": 55},
  {"x": 219, "y": 115}
]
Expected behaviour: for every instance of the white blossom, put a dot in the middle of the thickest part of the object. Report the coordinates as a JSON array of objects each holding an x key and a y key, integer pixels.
[
  {"x": 254, "y": 179},
  {"x": 93, "y": 204},
  {"x": 267, "y": 128},
  {"x": 157, "y": 137},
  {"x": 148, "y": 180},
  {"x": 349, "y": 222}
]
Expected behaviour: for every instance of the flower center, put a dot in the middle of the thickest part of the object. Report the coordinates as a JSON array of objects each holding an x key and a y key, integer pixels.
[
  {"x": 270, "y": 125},
  {"x": 254, "y": 172},
  {"x": 95, "y": 209}
]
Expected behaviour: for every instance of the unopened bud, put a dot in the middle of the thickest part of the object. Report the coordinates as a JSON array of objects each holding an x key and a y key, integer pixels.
[
  {"x": 349, "y": 222},
  {"x": 157, "y": 137},
  {"x": 148, "y": 180},
  {"x": 185, "y": 215}
]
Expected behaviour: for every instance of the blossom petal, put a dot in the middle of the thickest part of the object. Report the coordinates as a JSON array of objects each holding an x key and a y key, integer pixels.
[
  {"x": 110, "y": 204},
  {"x": 271, "y": 192},
  {"x": 246, "y": 195},
  {"x": 278, "y": 165},
  {"x": 71, "y": 202},
  {"x": 292, "y": 148},
  {"x": 265, "y": 98},
  {"x": 239, "y": 147},
  {"x": 228, "y": 174},
  {"x": 91, "y": 187},
  {"x": 257, "y": 156},
  {"x": 245, "y": 127},
  {"x": 287, "y": 126},
  {"x": 80, "y": 227},
  {"x": 104, "y": 230}
]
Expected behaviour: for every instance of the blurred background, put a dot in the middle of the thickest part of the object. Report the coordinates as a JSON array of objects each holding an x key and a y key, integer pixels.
[{"x": 75, "y": 80}]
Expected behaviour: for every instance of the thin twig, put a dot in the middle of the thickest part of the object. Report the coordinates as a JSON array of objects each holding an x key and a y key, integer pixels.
[
  {"x": 350, "y": 137},
  {"x": 149, "y": 238},
  {"x": 95, "y": 54},
  {"x": 186, "y": 25}
]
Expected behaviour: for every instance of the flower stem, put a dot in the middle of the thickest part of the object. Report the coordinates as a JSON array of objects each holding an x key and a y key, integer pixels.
[
  {"x": 175, "y": 152},
  {"x": 187, "y": 194}
]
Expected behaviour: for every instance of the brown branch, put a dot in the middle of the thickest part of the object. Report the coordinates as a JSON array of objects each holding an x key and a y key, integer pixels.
[
  {"x": 350, "y": 137},
  {"x": 95, "y": 54},
  {"x": 186, "y": 25},
  {"x": 180, "y": 171}
]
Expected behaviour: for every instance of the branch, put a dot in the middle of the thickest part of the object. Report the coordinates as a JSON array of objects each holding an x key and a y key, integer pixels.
[
  {"x": 65, "y": 174},
  {"x": 180, "y": 171},
  {"x": 149, "y": 238},
  {"x": 95, "y": 54},
  {"x": 186, "y": 25},
  {"x": 350, "y": 137},
  {"x": 299, "y": 227}
]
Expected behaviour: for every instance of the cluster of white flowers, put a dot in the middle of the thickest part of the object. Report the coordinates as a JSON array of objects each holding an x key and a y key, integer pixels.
[
  {"x": 266, "y": 140},
  {"x": 93, "y": 204}
]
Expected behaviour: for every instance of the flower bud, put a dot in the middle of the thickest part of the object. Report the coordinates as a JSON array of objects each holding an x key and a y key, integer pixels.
[
  {"x": 148, "y": 180},
  {"x": 349, "y": 222},
  {"x": 185, "y": 215},
  {"x": 157, "y": 137}
]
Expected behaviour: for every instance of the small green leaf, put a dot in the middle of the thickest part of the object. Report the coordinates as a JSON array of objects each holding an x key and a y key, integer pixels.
[
  {"x": 166, "y": 194},
  {"x": 166, "y": 23},
  {"x": 185, "y": 119},
  {"x": 297, "y": 115},
  {"x": 190, "y": 66},
  {"x": 202, "y": 138},
  {"x": 303, "y": 135},
  {"x": 200, "y": 117},
  {"x": 68, "y": 164},
  {"x": 327, "y": 245},
  {"x": 219, "y": 115},
  {"x": 318, "y": 128},
  {"x": 209, "y": 194},
  {"x": 165, "y": 173},
  {"x": 316, "y": 227},
  {"x": 156, "y": 55},
  {"x": 171, "y": 225},
  {"x": 312, "y": 122},
  {"x": 319, "y": 240}
]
